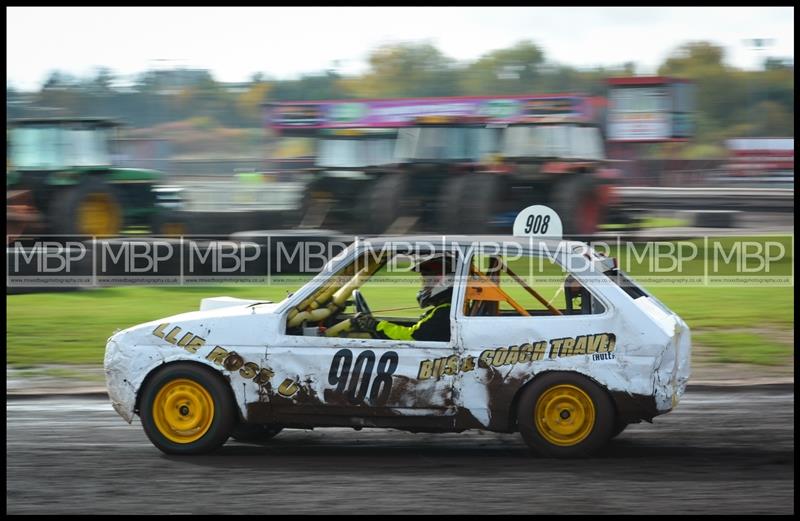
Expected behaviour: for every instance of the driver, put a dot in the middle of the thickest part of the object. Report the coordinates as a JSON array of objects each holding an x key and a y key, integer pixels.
[{"x": 438, "y": 275}]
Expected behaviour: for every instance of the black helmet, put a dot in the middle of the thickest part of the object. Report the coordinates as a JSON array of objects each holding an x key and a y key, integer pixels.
[{"x": 438, "y": 272}]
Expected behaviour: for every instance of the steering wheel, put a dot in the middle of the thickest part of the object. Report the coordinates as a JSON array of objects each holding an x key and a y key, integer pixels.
[
  {"x": 344, "y": 325},
  {"x": 361, "y": 303}
]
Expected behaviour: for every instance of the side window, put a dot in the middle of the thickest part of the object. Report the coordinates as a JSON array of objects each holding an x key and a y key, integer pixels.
[
  {"x": 391, "y": 292},
  {"x": 384, "y": 286},
  {"x": 325, "y": 306},
  {"x": 501, "y": 285}
]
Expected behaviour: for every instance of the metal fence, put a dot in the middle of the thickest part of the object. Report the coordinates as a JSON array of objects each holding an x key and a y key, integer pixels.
[{"x": 224, "y": 196}]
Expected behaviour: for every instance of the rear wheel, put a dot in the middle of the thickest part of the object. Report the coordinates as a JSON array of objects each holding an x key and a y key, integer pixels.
[
  {"x": 91, "y": 208},
  {"x": 563, "y": 415},
  {"x": 187, "y": 409}
]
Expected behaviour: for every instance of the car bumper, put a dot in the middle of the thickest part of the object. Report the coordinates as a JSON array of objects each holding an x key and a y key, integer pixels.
[
  {"x": 121, "y": 390},
  {"x": 672, "y": 374}
]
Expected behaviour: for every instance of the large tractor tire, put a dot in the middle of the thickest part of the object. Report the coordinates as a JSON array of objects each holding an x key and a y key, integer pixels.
[
  {"x": 477, "y": 201},
  {"x": 381, "y": 204},
  {"x": 91, "y": 208},
  {"x": 577, "y": 203},
  {"x": 314, "y": 205},
  {"x": 450, "y": 205}
]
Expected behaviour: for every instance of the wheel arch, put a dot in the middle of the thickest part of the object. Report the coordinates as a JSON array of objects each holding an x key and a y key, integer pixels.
[{"x": 216, "y": 373}]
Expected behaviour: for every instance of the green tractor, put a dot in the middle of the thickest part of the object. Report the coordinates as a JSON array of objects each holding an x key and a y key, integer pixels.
[{"x": 61, "y": 168}]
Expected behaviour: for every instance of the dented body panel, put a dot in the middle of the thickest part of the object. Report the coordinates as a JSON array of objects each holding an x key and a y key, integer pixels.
[{"x": 636, "y": 349}]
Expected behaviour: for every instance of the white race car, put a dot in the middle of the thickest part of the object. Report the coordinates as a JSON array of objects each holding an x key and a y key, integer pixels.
[{"x": 546, "y": 338}]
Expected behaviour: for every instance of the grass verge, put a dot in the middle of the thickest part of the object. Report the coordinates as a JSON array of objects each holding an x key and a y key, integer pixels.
[{"x": 72, "y": 328}]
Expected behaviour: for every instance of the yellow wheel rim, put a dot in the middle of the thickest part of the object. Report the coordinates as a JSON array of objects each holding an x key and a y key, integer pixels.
[
  {"x": 564, "y": 415},
  {"x": 183, "y": 411},
  {"x": 98, "y": 214}
]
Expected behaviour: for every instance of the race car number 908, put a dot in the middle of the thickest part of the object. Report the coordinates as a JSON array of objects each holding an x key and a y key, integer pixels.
[{"x": 361, "y": 375}]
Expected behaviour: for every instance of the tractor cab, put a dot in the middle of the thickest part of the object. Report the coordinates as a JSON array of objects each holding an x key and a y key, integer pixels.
[
  {"x": 58, "y": 144},
  {"x": 552, "y": 138},
  {"x": 447, "y": 139},
  {"x": 355, "y": 149}
]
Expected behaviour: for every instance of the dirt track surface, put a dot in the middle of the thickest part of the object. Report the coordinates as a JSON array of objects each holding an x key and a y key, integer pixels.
[{"x": 726, "y": 452}]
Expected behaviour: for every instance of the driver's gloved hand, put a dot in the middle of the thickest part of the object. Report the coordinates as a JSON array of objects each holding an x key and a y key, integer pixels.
[{"x": 364, "y": 322}]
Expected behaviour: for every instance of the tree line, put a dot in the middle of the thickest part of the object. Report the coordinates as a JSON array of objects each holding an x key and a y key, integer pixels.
[{"x": 730, "y": 102}]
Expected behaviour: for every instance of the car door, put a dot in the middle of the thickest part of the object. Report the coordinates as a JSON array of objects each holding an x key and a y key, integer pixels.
[
  {"x": 508, "y": 346},
  {"x": 318, "y": 377}
]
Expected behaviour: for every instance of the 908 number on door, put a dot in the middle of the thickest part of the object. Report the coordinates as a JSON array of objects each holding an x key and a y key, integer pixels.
[{"x": 357, "y": 377}]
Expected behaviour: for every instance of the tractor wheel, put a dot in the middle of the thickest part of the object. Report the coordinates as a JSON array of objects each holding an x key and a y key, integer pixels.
[
  {"x": 315, "y": 204},
  {"x": 477, "y": 202},
  {"x": 91, "y": 208},
  {"x": 381, "y": 203},
  {"x": 565, "y": 415},
  {"x": 576, "y": 202},
  {"x": 450, "y": 202}
]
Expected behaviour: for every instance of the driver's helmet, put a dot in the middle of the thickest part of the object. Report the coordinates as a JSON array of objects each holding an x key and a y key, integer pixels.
[{"x": 438, "y": 277}]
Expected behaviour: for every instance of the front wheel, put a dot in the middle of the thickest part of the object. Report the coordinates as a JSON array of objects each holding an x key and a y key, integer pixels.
[
  {"x": 565, "y": 415},
  {"x": 187, "y": 409}
]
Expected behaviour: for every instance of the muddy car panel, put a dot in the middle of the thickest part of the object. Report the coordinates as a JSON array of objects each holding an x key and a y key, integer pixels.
[{"x": 231, "y": 340}]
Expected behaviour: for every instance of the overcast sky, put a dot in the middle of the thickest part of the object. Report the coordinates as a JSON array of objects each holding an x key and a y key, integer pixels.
[{"x": 283, "y": 42}]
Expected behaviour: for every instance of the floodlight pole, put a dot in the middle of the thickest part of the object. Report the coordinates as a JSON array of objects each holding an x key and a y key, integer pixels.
[{"x": 756, "y": 44}]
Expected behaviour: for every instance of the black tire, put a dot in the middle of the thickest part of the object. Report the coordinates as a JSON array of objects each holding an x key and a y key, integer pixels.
[
  {"x": 255, "y": 433},
  {"x": 310, "y": 204},
  {"x": 619, "y": 426},
  {"x": 381, "y": 203},
  {"x": 450, "y": 205},
  {"x": 222, "y": 420},
  {"x": 478, "y": 200},
  {"x": 588, "y": 437},
  {"x": 575, "y": 201},
  {"x": 64, "y": 209}
]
